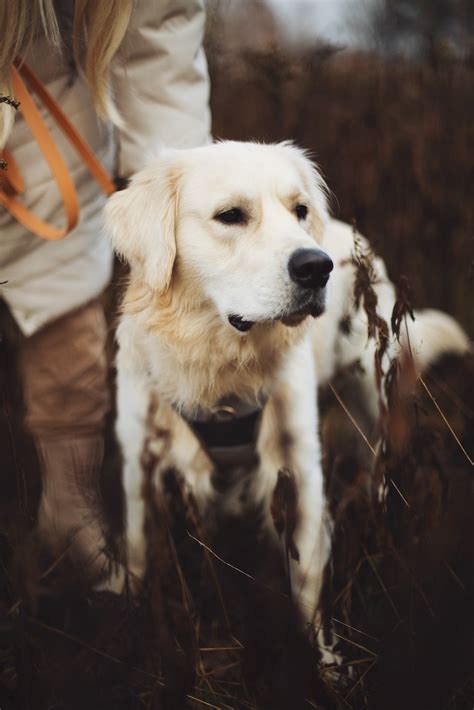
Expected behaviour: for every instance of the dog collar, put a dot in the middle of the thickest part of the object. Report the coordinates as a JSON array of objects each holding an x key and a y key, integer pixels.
[{"x": 228, "y": 431}]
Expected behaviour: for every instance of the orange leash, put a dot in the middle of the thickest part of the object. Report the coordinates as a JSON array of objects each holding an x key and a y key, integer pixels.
[{"x": 13, "y": 184}]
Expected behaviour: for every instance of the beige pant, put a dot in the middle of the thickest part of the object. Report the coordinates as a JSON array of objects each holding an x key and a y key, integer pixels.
[{"x": 64, "y": 371}]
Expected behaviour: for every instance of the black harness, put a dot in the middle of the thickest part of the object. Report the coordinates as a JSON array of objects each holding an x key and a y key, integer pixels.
[{"x": 228, "y": 432}]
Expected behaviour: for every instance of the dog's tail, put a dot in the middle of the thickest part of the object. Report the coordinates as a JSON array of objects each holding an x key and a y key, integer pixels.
[{"x": 431, "y": 335}]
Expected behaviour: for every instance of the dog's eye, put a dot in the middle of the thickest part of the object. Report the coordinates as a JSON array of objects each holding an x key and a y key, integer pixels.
[
  {"x": 301, "y": 211},
  {"x": 233, "y": 216}
]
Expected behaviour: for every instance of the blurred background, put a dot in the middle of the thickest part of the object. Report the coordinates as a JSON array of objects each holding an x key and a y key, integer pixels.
[{"x": 381, "y": 93}]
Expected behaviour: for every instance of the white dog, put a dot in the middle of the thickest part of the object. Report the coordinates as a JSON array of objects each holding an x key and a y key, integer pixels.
[{"x": 225, "y": 322}]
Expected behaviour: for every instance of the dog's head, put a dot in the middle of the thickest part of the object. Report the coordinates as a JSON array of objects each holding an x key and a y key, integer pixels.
[{"x": 241, "y": 223}]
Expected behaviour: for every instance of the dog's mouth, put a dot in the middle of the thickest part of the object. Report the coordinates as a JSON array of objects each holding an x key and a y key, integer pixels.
[
  {"x": 311, "y": 305},
  {"x": 240, "y": 323}
]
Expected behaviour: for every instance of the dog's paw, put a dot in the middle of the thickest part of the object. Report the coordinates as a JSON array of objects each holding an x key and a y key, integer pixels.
[
  {"x": 114, "y": 582},
  {"x": 136, "y": 564}
]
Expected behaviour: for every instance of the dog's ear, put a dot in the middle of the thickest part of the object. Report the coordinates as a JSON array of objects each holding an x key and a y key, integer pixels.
[{"x": 141, "y": 223}]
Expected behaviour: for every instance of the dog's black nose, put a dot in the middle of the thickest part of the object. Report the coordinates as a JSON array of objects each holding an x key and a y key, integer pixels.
[{"x": 310, "y": 268}]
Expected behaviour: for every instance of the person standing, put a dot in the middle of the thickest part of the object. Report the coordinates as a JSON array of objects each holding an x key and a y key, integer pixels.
[{"x": 131, "y": 76}]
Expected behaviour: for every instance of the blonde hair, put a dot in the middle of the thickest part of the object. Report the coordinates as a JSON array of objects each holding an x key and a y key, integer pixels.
[{"x": 98, "y": 29}]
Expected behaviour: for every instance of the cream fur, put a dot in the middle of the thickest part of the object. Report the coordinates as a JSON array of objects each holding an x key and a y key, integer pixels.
[{"x": 188, "y": 274}]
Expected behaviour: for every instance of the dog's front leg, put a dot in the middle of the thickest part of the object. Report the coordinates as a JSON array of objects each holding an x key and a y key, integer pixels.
[
  {"x": 291, "y": 480},
  {"x": 133, "y": 403},
  {"x": 153, "y": 439}
]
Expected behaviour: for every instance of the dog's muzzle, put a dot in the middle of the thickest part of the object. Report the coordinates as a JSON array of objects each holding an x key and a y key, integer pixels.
[{"x": 309, "y": 270}]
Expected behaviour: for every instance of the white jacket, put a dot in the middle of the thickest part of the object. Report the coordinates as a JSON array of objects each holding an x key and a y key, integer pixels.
[{"x": 161, "y": 88}]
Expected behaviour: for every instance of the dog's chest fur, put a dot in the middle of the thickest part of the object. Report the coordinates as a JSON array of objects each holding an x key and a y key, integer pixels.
[
  {"x": 187, "y": 377},
  {"x": 193, "y": 360}
]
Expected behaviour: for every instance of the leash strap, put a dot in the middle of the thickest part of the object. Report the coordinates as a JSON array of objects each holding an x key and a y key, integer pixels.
[{"x": 12, "y": 182}]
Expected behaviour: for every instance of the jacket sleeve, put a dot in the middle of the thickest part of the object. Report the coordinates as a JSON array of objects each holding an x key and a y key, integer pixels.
[{"x": 160, "y": 81}]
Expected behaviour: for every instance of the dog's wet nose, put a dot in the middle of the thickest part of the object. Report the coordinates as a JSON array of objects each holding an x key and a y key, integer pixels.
[{"x": 310, "y": 268}]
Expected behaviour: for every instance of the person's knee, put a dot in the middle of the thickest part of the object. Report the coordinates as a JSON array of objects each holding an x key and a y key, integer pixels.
[{"x": 64, "y": 370}]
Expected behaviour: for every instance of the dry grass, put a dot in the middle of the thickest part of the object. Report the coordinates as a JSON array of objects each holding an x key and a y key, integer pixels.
[{"x": 215, "y": 625}]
